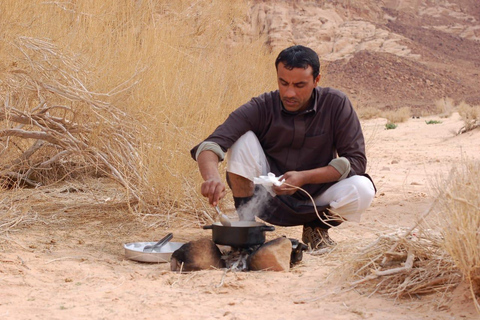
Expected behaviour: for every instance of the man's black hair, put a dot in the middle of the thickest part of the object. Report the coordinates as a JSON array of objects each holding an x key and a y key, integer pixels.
[{"x": 299, "y": 57}]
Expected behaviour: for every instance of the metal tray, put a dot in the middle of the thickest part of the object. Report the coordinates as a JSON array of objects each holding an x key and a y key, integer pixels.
[{"x": 134, "y": 251}]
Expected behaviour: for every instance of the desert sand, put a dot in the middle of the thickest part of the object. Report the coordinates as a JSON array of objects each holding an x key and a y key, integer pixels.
[{"x": 65, "y": 260}]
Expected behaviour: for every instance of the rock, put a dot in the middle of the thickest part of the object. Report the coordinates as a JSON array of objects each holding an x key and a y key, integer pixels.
[
  {"x": 197, "y": 255},
  {"x": 273, "y": 255}
]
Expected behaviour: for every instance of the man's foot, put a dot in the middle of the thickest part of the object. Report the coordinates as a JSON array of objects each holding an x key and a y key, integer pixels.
[{"x": 317, "y": 238}]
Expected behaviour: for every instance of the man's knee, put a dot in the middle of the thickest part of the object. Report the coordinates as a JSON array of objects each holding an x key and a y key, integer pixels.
[
  {"x": 240, "y": 186},
  {"x": 365, "y": 189},
  {"x": 246, "y": 157},
  {"x": 246, "y": 142}
]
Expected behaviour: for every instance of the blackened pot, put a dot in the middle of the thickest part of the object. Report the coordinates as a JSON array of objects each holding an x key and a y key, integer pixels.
[{"x": 241, "y": 234}]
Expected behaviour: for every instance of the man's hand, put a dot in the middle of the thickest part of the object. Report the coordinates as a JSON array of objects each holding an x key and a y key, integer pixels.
[
  {"x": 214, "y": 190},
  {"x": 213, "y": 187},
  {"x": 292, "y": 179},
  {"x": 300, "y": 178}
]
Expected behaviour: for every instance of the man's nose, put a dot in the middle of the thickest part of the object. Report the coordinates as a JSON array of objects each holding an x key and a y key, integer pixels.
[{"x": 290, "y": 92}]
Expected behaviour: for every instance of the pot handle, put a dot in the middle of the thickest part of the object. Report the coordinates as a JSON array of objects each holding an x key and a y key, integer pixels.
[
  {"x": 208, "y": 227},
  {"x": 268, "y": 228}
]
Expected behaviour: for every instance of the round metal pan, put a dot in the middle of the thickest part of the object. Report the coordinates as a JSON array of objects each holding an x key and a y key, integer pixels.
[
  {"x": 241, "y": 234},
  {"x": 134, "y": 251}
]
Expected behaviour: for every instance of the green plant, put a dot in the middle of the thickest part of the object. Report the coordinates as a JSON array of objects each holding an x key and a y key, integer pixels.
[
  {"x": 390, "y": 125},
  {"x": 433, "y": 121}
]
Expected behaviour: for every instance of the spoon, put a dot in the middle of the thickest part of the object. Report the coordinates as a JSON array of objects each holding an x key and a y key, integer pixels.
[
  {"x": 224, "y": 220},
  {"x": 159, "y": 244}
]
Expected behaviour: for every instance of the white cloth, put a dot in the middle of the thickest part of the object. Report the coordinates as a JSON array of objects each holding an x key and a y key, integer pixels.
[{"x": 268, "y": 181}]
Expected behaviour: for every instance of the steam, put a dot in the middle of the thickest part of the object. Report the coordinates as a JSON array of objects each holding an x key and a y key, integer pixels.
[{"x": 255, "y": 206}]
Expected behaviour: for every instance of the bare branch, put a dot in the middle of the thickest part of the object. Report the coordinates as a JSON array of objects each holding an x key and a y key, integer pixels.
[{"x": 20, "y": 178}]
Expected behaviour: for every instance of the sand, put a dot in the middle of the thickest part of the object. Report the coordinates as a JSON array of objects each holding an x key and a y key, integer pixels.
[{"x": 64, "y": 260}]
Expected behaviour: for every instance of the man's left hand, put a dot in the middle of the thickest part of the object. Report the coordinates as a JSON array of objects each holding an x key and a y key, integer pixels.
[{"x": 292, "y": 180}]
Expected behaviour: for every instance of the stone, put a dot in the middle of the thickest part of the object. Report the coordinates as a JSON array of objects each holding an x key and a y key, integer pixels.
[
  {"x": 197, "y": 255},
  {"x": 273, "y": 255}
]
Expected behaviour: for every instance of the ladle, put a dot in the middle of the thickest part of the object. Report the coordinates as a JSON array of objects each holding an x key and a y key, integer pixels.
[
  {"x": 224, "y": 220},
  {"x": 159, "y": 244}
]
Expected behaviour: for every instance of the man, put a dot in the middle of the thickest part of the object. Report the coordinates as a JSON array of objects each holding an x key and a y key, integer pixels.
[{"x": 309, "y": 137}]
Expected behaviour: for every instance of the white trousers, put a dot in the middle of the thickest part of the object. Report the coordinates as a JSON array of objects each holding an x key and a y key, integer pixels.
[{"x": 348, "y": 198}]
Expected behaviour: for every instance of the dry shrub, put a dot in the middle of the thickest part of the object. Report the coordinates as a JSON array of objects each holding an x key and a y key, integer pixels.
[
  {"x": 147, "y": 79},
  {"x": 397, "y": 116},
  {"x": 53, "y": 126},
  {"x": 368, "y": 113},
  {"x": 435, "y": 254},
  {"x": 404, "y": 263},
  {"x": 470, "y": 116},
  {"x": 444, "y": 107},
  {"x": 459, "y": 220},
  {"x": 14, "y": 215}
]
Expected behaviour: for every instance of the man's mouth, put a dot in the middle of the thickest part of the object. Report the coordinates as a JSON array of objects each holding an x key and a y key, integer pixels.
[{"x": 290, "y": 102}]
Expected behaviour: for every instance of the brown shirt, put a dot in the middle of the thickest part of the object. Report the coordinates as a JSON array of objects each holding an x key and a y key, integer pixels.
[{"x": 299, "y": 141}]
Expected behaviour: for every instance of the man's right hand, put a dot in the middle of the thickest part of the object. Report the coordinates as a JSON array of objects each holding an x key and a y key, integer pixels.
[
  {"x": 213, "y": 187},
  {"x": 214, "y": 190}
]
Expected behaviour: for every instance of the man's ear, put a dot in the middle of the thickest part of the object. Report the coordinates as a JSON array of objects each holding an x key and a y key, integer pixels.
[{"x": 317, "y": 79}]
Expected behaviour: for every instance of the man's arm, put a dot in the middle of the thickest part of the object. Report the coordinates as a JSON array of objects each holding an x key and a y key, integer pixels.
[{"x": 213, "y": 187}]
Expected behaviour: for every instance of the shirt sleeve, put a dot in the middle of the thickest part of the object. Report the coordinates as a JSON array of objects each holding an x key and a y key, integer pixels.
[
  {"x": 211, "y": 146},
  {"x": 248, "y": 117},
  {"x": 342, "y": 165},
  {"x": 349, "y": 140}
]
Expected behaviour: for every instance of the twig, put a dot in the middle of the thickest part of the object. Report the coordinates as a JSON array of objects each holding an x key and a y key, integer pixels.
[
  {"x": 423, "y": 216},
  {"x": 222, "y": 279},
  {"x": 20, "y": 178},
  {"x": 464, "y": 201},
  {"x": 23, "y": 262},
  {"x": 64, "y": 258},
  {"x": 406, "y": 268},
  {"x": 209, "y": 218}
]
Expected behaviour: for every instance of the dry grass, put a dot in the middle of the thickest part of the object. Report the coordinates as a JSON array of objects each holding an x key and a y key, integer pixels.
[
  {"x": 435, "y": 254},
  {"x": 444, "y": 107},
  {"x": 404, "y": 263},
  {"x": 397, "y": 116},
  {"x": 459, "y": 220},
  {"x": 54, "y": 127},
  {"x": 470, "y": 116},
  {"x": 368, "y": 112},
  {"x": 138, "y": 83}
]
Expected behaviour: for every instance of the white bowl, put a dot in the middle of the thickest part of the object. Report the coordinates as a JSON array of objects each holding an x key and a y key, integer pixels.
[{"x": 134, "y": 251}]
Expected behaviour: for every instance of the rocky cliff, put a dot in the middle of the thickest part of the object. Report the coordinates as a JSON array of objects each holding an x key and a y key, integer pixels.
[{"x": 387, "y": 54}]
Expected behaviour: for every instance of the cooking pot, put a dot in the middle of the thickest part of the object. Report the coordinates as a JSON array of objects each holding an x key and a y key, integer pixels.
[{"x": 240, "y": 234}]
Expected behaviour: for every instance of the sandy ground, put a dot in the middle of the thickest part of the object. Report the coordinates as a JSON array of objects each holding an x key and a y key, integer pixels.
[{"x": 69, "y": 263}]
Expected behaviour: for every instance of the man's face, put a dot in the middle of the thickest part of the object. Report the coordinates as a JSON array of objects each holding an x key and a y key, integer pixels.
[{"x": 296, "y": 87}]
